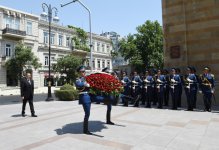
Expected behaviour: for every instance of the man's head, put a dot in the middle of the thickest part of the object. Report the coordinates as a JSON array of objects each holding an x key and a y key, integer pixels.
[
  {"x": 173, "y": 71},
  {"x": 124, "y": 73},
  {"x": 206, "y": 70},
  {"x": 81, "y": 70},
  {"x": 28, "y": 75},
  {"x": 135, "y": 73},
  {"x": 147, "y": 72},
  {"x": 189, "y": 69},
  {"x": 159, "y": 72}
]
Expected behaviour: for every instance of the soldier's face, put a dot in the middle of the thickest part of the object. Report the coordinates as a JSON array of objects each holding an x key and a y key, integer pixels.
[
  {"x": 82, "y": 73},
  {"x": 135, "y": 73},
  {"x": 205, "y": 71},
  {"x": 158, "y": 73},
  {"x": 188, "y": 71}
]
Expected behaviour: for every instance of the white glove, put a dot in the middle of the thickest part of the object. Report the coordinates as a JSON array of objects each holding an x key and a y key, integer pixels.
[
  {"x": 212, "y": 91},
  {"x": 86, "y": 84},
  {"x": 123, "y": 81},
  {"x": 147, "y": 81},
  {"x": 158, "y": 80},
  {"x": 134, "y": 82},
  {"x": 172, "y": 80},
  {"x": 189, "y": 80},
  {"x": 200, "y": 92}
]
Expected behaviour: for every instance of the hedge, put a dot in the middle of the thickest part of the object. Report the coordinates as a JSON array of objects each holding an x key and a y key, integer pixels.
[{"x": 67, "y": 93}]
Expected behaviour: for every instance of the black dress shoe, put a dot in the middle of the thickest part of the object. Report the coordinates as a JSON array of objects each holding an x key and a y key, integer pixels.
[
  {"x": 110, "y": 123},
  {"x": 87, "y": 132},
  {"x": 23, "y": 115},
  {"x": 33, "y": 115}
]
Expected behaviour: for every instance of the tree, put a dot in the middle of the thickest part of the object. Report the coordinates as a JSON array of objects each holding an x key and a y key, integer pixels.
[
  {"x": 145, "y": 48},
  {"x": 68, "y": 65},
  {"x": 80, "y": 40},
  {"x": 23, "y": 59}
]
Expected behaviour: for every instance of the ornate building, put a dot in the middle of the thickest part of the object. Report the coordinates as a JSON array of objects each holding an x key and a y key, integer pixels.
[
  {"x": 191, "y": 33},
  {"x": 32, "y": 30}
]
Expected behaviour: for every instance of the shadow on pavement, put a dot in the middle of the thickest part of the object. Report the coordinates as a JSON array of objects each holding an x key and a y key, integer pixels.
[
  {"x": 77, "y": 128},
  {"x": 16, "y": 99},
  {"x": 16, "y": 115}
]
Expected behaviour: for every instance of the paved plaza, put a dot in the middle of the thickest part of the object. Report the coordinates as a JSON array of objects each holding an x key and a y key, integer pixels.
[{"x": 59, "y": 127}]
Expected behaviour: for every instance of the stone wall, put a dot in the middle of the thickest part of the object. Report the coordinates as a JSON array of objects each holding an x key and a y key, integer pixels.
[{"x": 191, "y": 33}]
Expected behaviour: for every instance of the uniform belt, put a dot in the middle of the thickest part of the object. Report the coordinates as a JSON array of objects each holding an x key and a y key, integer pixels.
[{"x": 83, "y": 93}]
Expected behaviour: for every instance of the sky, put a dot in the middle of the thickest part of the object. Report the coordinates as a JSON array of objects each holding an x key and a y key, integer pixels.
[{"x": 121, "y": 16}]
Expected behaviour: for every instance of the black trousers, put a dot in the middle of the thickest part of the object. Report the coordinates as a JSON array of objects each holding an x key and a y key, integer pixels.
[{"x": 30, "y": 101}]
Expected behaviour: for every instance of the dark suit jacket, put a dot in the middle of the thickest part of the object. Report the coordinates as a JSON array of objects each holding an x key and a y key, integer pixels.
[{"x": 27, "y": 89}]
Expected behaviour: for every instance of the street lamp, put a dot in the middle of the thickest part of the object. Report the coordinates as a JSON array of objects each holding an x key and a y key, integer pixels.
[
  {"x": 91, "y": 56},
  {"x": 49, "y": 17}
]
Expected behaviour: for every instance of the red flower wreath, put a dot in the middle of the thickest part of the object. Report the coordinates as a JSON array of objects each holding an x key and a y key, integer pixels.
[{"x": 102, "y": 83}]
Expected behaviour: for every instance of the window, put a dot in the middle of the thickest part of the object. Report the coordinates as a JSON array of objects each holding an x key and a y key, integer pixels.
[
  {"x": 60, "y": 40},
  {"x": 29, "y": 28},
  {"x": 52, "y": 38},
  {"x": 93, "y": 63},
  {"x": 98, "y": 47},
  {"x": 103, "y": 47},
  {"x": 8, "y": 50},
  {"x": 98, "y": 63},
  {"x": 17, "y": 24},
  {"x": 88, "y": 62},
  {"x": 108, "y": 48},
  {"x": 108, "y": 63},
  {"x": 45, "y": 35},
  {"x": 93, "y": 46},
  {"x": 68, "y": 41},
  {"x": 103, "y": 63},
  {"x": 11, "y": 22},
  {"x": 46, "y": 61}
]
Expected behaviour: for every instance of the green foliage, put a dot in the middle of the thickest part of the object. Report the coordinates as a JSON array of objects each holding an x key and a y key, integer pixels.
[
  {"x": 114, "y": 54},
  {"x": 24, "y": 58},
  {"x": 67, "y": 93},
  {"x": 145, "y": 48},
  {"x": 67, "y": 87},
  {"x": 68, "y": 65},
  {"x": 80, "y": 41}
]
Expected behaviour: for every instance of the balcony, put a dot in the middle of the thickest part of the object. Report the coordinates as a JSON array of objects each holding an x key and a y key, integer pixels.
[{"x": 13, "y": 33}]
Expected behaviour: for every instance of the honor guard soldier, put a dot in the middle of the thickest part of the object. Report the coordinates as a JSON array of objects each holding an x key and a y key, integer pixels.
[
  {"x": 136, "y": 87},
  {"x": 84, "y": 97},
  {"x": 110, "y": 101},
  {"x": 179, "y": 102},
  {"x": 175, "y": 83},
  {"x": 148, "y": 85},
  {"x": 155, "y": 97},
  {"x": 190, "y": 83},
  {"x": 160, "y": 83},
  {"x": 196, "y": 85},
  {"x": 166, "y": 87},
  {"x": 127, "y": 85},
  {"x": 207, "y": 87}
]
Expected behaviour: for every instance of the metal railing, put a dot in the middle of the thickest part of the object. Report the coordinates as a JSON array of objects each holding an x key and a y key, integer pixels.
[{"x": 14, "y": 31}]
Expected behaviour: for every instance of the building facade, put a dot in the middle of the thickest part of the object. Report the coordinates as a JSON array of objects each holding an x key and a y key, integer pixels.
[
  {"x": 17, "y": 26},
  {"x": 191, "y": 33},
  {"x": 118, "y": 62}
]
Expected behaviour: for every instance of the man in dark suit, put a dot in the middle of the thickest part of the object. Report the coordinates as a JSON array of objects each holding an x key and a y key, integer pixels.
[{"x": 27, "y": 92}]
